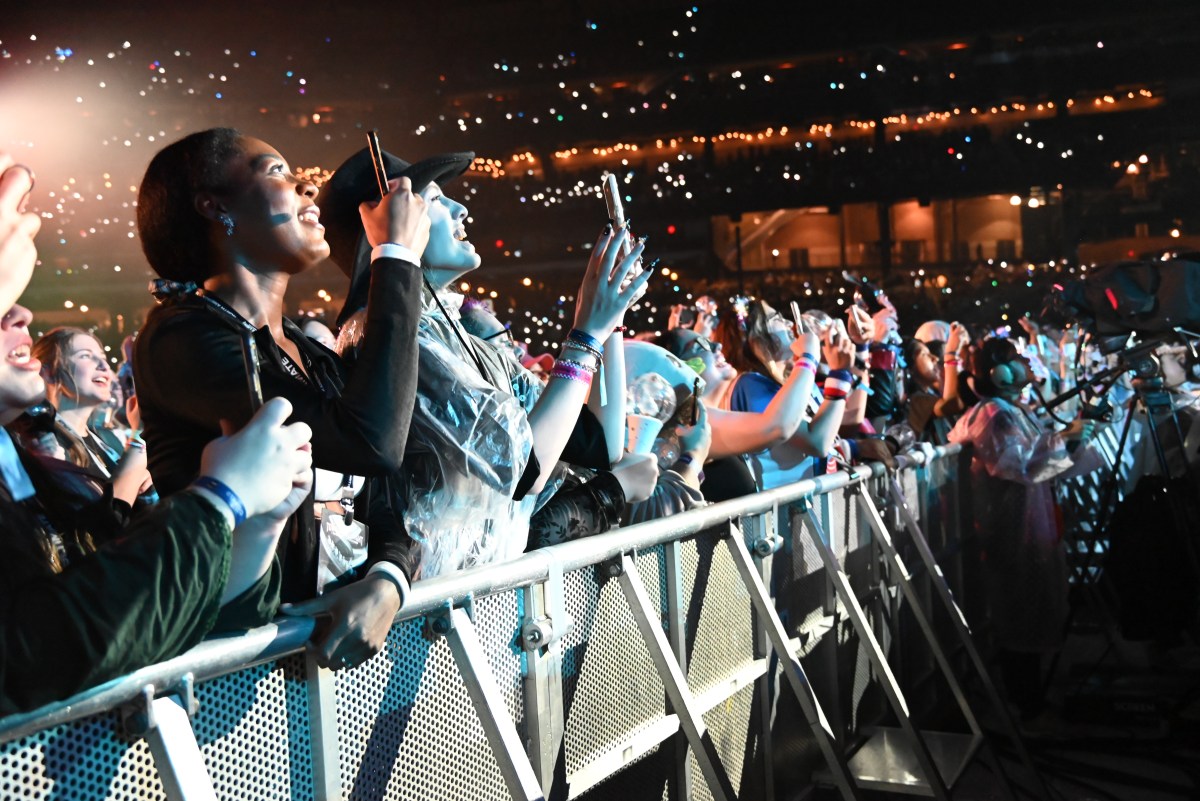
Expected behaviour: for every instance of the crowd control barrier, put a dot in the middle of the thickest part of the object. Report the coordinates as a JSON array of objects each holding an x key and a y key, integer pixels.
[{"x": 732, "y": 651}]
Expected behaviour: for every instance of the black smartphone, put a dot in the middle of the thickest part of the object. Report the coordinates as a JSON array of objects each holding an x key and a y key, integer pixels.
[
  {"x": 250, "y": 359},
  {"x": 377, "y": 161}
]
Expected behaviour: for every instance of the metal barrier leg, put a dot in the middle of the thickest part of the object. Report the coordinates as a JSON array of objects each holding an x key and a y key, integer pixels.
[
  {"x": 963, "y": 629},
  {"x": 677, "y": 636},
  {"x": 903, "y": 577},
  {"x": 769, "y": 621},
  {"x": 682, "y": 701},
  {"x": 925, "y": 770},
  {"x": 322, "y": 717},
  {"x": 485, "y": 695},
  {"x": 176, "y": 753},
  {"x": 545, "y": 623}
]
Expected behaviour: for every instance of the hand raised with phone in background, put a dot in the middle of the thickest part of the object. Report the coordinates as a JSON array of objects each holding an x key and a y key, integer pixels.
[{"x": 837, "y": 348}]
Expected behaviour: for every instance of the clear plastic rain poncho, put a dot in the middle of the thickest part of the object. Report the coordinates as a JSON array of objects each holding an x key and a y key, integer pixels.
[
  {"x": 1024, "y": 561},
  {"x": 468, "y": 446}
]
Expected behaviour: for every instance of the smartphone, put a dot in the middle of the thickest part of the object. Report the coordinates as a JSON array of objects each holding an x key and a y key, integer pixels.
[
  {"x": 801, "y": 328},
  {"x": 377, "y": 161},
  {"x": 616, "y": 211},
  {"x": 695, "y": 401},
  {"x": 250, "y": 359}
]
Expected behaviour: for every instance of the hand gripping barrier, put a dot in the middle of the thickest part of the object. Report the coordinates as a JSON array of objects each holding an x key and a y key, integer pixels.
[{"x": 728, "y": 652}]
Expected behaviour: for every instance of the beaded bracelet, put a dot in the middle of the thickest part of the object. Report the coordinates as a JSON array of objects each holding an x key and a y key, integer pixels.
[
  {"x": 222, "y": 491},
  {"x": 591, "y": 368},
  {"x": 837, "y": 385},
  {"x": 571, "y": 344},
  {"x": 569, "y": 371},
  {"x": 584, "y": 338}
]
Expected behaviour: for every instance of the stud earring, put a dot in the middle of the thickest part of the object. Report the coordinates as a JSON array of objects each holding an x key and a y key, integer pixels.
[{"x": 226, "y": 221}]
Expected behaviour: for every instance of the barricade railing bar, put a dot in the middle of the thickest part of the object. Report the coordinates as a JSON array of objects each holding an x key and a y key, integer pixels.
[{"x": 576, "y": 662}]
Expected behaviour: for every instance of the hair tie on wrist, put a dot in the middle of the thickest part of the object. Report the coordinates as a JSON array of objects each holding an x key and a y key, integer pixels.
[{"x": 226, "y": 494}]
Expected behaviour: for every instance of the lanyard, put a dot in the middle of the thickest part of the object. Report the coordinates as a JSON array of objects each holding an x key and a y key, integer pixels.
[{"x": 286, "y": 361}]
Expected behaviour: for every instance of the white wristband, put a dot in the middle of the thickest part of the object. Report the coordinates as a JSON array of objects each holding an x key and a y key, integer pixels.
[
  {"x": 394, "y": 250},
  {"x": 393, "y": 574}
]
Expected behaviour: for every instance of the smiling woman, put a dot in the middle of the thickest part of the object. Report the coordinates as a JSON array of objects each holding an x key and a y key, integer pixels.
[
  {"x": 222, "y": 216},
  {"x": 78, "y": 383}
]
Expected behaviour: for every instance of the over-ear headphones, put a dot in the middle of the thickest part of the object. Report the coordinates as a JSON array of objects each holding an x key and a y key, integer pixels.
[{"x": 1002, "y": 376}]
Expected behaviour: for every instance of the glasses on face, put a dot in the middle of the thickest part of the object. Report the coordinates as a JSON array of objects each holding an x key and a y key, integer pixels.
[
  {"x": 503, "y": 332},
  {"x": 702, "y": 343}
]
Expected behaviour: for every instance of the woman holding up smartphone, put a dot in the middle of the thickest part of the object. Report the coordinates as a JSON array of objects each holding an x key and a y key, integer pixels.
[
  {"x": 226, "y": 224},
  {"x": 761, "y": 346},
  {"x": 484, "y": 438}
]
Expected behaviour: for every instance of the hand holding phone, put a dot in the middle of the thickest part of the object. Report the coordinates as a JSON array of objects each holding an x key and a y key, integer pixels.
[{"x": 253, "y": 380}]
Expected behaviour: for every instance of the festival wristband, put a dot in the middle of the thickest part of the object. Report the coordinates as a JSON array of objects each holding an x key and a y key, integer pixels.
[
  {"x": 806, "y": 362},
  {"x": 583, "y": 337},
  {"x": 837, "y": 385},
  {"x": 590, "y": 368},
  {"x": 394, "y": 250},
  {"x": 227, "y": 496},
  {"x": 570, "y": 372}
]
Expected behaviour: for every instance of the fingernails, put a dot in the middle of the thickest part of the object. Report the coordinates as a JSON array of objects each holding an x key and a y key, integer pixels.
[
  {"x": 641, "y": 240},
  {"x": 628, "y": 223},
  {"x": 653, "y": 264},
  {"x": 608, "y": 229}
]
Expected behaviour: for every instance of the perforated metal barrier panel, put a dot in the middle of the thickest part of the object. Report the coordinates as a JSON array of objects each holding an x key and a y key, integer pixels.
[{"x": 407, "y": 726}]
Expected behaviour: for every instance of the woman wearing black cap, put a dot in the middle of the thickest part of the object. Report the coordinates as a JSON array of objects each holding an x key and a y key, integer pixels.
[
  {"x": 478, "y": 454},
  {"x": 224, "y": 220}
]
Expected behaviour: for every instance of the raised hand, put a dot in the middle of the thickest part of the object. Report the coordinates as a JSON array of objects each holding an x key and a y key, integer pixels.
[
  {"x": 604, "y": 295},
  {"x": 837, "y": 348},
  {"x": 17, "y": 230},
  {"x": 401, "y": 217}
]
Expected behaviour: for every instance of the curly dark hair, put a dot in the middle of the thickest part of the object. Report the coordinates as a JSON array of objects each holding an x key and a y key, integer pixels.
[{"x": 174, "y": 235}]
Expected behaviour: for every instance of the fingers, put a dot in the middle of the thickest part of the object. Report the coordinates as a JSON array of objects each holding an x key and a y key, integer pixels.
[
  {"x": 272, "y": 414},
  {"x": 314, "y": 607},
  {"x": 633, "y": 291},
  {"x": 15, "y": 185},
  {"x": 628, "y": 264}
]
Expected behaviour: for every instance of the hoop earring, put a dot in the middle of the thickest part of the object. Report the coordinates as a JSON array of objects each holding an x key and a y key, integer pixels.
[{"x": 226, "y": 221}]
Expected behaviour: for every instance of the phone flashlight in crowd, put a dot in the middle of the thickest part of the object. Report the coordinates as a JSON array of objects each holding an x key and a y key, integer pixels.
[{"x": 253, "y": 382}]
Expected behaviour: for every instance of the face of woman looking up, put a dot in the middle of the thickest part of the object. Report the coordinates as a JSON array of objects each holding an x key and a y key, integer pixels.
[
  {"x": 84, "y": 373},
  {"x": 449, "y": 254},
  {"x": 276, "y": 223},
  {"x": 716, "y": 369}
]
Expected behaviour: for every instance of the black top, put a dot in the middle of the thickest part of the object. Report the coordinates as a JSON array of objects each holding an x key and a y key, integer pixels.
[
  {"x": 190, "y": 375},
  {"x": 73, "y": 616}
]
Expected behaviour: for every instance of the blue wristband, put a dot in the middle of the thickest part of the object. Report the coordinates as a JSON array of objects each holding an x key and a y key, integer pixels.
[
  {"x": 223, "y": 492},
  {"x": 842, "y": 375},
  {"x": 585, "y": 338}
]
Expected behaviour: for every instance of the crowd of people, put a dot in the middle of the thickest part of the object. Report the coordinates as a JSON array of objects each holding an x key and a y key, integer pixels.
[{"x": 326, "y": 473}]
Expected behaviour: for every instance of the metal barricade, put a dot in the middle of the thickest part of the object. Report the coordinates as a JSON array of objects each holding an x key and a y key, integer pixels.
[{"x": 700, "y": 656}]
